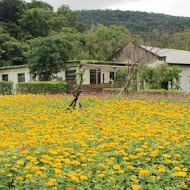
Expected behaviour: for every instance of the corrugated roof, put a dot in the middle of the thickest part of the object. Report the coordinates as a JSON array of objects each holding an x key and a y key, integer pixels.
[{"x": 173, "y": 56}]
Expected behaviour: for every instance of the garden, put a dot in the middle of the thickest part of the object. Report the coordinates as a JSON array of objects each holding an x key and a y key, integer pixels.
[{"x": 127, "y": 143}]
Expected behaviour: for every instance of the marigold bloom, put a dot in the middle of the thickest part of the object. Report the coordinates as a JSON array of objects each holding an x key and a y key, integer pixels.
[
  {"x": 144, "y": 172},
  {"x": 135, "y": 187}
]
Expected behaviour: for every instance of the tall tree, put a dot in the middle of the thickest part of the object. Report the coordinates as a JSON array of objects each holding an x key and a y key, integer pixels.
[
  {"x": 72, "y": 19},
  {"x": 11, "y": 10},
  {"x": 12, "y": 51},
  {"x": 39, "y": 4},
  {"x": 47, "y": 56},
  {"x": 35, "y": 21},
  {"x": 103, "y": 41}
]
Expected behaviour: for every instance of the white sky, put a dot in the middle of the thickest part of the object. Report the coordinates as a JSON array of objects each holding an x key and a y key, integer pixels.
[{"x": 171, "y": 7}]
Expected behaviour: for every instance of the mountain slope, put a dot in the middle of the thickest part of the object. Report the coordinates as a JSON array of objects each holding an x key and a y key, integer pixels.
[{"x": 136, "y": 22}]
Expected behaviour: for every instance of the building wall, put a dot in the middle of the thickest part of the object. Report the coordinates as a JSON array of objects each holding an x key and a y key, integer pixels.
[
  {"x": 133, "y": 54},
  {"x": 185, "y": 78},
  {"x": 13, "y": 74}
]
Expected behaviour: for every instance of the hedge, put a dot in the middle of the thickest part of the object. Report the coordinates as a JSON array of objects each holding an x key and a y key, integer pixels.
[
  {"x": 49, "y": 87},
  {"x": 116, "y": 90},
  {"x": 6, "y": 87},
  {"x": 162, "y": 91}
]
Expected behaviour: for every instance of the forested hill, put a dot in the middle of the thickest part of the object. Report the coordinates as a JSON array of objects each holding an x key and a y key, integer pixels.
[{"x": 136, "y": 22}]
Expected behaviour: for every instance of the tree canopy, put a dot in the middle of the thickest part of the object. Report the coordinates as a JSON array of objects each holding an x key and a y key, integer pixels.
[{"x": 47, "y": 56}]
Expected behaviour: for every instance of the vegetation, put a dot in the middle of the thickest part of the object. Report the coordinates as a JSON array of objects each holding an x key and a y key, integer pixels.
[
  {"x": 6, "y": 87},
  {"x": 137, "y": 22},
  {"x": 160, "y": 77},
  {"x": 47, "y": 56},
  {"x": 123, "y": 143},
  {"x": 50, "y": 87},
  {"x": 23, "y": 24}
]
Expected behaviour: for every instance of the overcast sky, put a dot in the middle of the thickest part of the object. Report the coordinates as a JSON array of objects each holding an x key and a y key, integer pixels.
[{"x": 171, "y": 7}]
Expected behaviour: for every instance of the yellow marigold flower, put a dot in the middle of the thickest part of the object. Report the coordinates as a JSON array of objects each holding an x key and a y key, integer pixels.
[
  {"x": 100, "y": 175},
  {"x": 29, "y": 176},
  {"x": 50, "y": 183},
  {"x": 144, "y": 172},
  {"x": 162, "y": 170},
  {"x": 178, "y": 155},
  {"x": 166, "y": 155},
  {"x": 116, "y": 167},
  {"x": 183, "y": 186},
  {"x": 20, "y": 162},
  {"x": 185, "y": 169},
  {"x": 2, "y": 171},
  {"x": 10, "y": 175},
  {"x": 179, "y": 174},
  {"x": 19, "y": 178},
  {"x": 133, "y": 177},
  {"x": 131, "y": 168},
  {"x": 83, "y": 178},
  {"x": 177, "y": 168},
  {"x": 135, "y": 187},
  {"x": 112, "y": 178}
]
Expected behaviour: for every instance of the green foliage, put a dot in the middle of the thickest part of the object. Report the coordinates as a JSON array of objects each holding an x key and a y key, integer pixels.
[
  {"x": 121, "y": 75},
  {"x": 35, "y": 21},
  {"x": 77, "y": 39},
  {"x": 103, "y": 41},
  {"x": 137, "y": 22},
  {"x": 41, "y": 87},
  {"x": 159, "y": 77},
  {"x": 39, "y": 4},
  {"x": 6, "y": 87},
  {"x": 154, "y": 91},
  {"x": 116, "y": 90},
  {"x": 71, "y": 18},
  {"x": 12, "y": 51},
  {"x": 11, "y": 10},
  {"x": 163, "y": 92},
  {"x": 47, "y": 56}
]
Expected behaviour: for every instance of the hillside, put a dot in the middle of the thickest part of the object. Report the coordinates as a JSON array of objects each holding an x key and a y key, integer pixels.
[{"x": 136, "y": 22}]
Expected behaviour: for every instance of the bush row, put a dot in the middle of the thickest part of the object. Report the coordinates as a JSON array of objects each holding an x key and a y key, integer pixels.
[
  {"x": 6, "y": 87},
  {"x": 41, "y": 87}
]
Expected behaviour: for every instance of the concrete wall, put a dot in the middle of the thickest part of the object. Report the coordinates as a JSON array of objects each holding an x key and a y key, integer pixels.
[
  {"x": 13, "y": 74},
  {"x": 185, "y": 78}
]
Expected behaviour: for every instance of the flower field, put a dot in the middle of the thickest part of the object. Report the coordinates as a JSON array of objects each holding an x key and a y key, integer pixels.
[{"x": 111, "y": 143}]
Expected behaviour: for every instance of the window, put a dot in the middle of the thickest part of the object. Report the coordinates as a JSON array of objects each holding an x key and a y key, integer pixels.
[
  {"x": 70, "y": 75},
  {"x": 112, "y": 75},
  {"x": 21, "y": 77},
  {"x": 95, "y": 76},
  {"x": 5, "y": 77}
]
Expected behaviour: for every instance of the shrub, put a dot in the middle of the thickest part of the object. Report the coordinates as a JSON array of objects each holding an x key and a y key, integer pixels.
[
  {"x": 41, "y": 87},
  {"x": 6, "y": 87},
  {"x": 163, "y": 91},
  {"x": 117, "y": 90}
]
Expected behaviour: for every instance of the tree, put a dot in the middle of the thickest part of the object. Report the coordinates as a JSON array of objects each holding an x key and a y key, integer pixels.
[
  {"x": 35, "y": 21},
  {"x": 159, "y": 77},
  {"x": 71, "y": 18},
  {"x": 39, "y": 4},
  {"x": 11, "y": 50},
  {"x": 103, "y": 41},
  {"x": 11, "y": 10},
  {"x": 47, "y": 56},
  {"x": 77, "y": 39}
]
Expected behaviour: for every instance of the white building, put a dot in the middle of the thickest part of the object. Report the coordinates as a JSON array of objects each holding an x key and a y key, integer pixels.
[
  {"x": 155, "y": 56},
  {"x": 95, "y": 73}
]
